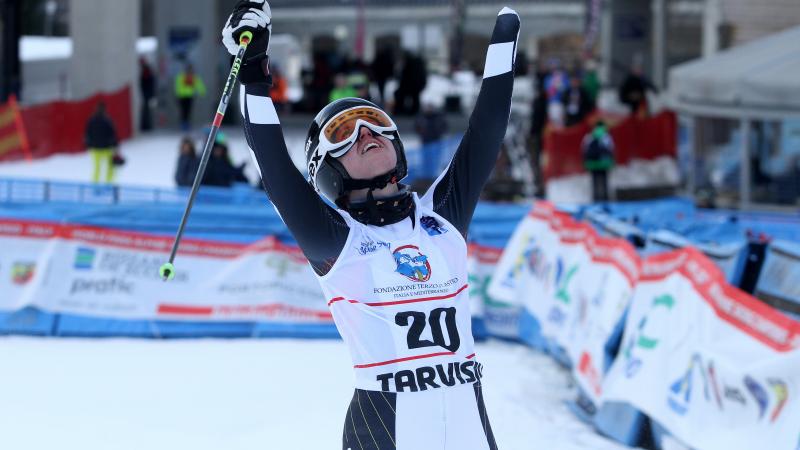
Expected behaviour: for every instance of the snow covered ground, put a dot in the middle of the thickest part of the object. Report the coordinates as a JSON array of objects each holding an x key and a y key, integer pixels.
[
  {"x": 577, "y": 189},
  {"x": 150, "y": 160},
  {"x": 229, "y": 394},
  {"x": 240, "y": 394}
]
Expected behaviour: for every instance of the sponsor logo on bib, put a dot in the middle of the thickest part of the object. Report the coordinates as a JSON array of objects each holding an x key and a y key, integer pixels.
[
  {"x": 411, "y": 263},
  {"x": 432, "y": 226}
]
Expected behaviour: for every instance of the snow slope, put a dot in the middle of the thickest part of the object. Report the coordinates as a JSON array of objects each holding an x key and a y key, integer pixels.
[{"x": 240, "y": 394}]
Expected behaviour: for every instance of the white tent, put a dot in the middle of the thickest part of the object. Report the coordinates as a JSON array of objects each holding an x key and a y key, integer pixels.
[
  {"x": 761, "y": 78},
  {"x": 750, "y": 85}
]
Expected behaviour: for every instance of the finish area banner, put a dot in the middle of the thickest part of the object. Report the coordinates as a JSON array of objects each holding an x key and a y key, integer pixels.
[
  {"x": 718, "y": 368},
  {"x": 576, "y": 284},
  {"x": 111, "y": 273}
]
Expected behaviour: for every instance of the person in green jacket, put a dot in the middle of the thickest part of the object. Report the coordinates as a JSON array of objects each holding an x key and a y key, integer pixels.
[
  {"x": 342, "y": 89},
  {"x": 598, "y": 159},
  {"x": 188, "y": 85},
  {"x": 591, "y": 81}
]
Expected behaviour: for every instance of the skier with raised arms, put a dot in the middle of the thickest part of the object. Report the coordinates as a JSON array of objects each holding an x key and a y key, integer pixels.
[{"x": 392, "y": 264}]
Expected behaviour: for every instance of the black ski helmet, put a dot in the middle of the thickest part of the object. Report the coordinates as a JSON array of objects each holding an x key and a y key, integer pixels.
[{"x": 326, "y": 174}]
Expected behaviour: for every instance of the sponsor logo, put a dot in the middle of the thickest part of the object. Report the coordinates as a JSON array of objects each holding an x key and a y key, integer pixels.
[
  {"x": 84, "y": 258},
  {"x": 22, "y": 272},
  {"x": 432, "y": 226},
  {"x": 734, "y": 394},
  {"x": 758, "y": 393},
  {"x": 590, "y": 373},
  {"x": 680, "y": 391},
  {"x": 413, "y": 290},
  {"x": 282, "y": 265},
  {"x": 600, "y": 293},
  {"x": 556, "y": 316},
  {"x": 129, "y": 265},
  {"x": 781, "y": 392},
  {"x": 314, "y": 162},
  {"x": 412, "y": 264},
  {"x": 104, "y": 287},
  {"x": 712, "y": 377},
  {"x": 531, "y": 258},
  {"x": 562, "y": 281},
  {"x": 640, "y": 340},
  {"x": 369, "y": 246},
  {"x": 431, "y": 377}
]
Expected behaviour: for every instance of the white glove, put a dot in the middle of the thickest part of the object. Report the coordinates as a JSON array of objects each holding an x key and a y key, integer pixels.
[{"x": 254, "y": 16}]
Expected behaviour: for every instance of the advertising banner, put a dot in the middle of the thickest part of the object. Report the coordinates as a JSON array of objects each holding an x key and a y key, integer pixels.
[
  {"x": 501, "y": 318},
  {"x": 506, "y": 284},
  {"x": 715, "y": 366},
  {"x": 576, "y": 284},
  {"x": 24, "y": 250},
  {"x": 602, "y": 292},
  {"x": 110, "y": 273}
]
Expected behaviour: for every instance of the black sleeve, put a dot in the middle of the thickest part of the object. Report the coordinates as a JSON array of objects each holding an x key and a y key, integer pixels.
[
  {"x": 455, "y": 193},
  {"x": 319, "y": 230}
]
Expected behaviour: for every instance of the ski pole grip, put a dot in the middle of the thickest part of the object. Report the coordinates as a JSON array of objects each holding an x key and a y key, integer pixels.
[{"x": 245, "y": 38}]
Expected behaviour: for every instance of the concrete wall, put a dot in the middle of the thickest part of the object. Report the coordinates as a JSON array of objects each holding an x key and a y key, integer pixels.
[
  {"x": 104, "y": 37},
  {"x": 209, "y": 58}
]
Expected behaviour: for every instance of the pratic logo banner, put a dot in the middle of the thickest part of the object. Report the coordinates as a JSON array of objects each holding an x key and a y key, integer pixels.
[
  {"x": 715, "y": 366},
  {"x": 111, "y": 273}
]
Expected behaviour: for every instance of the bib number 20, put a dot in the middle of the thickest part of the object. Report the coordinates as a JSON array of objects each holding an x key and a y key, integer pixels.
[{"x": 417, "y": 321}]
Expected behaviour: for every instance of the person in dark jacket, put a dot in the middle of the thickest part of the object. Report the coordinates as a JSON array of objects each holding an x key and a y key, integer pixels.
[
  {"x": 431, "y": 126},
  {"x": 101, "y": 140},
  {"x": 147, "y": 84},
  {"x": 538, "y": 124},
  {"x": 188, "y": 163},
  {"x": 633, "y": 91},
  {"x": 220, "y": 171},
  {"x": 413, "y": 79},
  {"x": 383, "y": 69},
  {"x": 577, "y": 102}
]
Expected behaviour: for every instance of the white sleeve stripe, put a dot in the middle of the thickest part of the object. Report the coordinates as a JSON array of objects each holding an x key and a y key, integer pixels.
[
  {"x": 507, "y": 10},
  {"x": 255, "y": 160},
  {"x": 499, "y": 59},
  {"x": 261, "y": 110}
]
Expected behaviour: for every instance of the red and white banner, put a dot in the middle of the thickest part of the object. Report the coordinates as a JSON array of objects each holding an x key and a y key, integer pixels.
[
  {"x": 718, "y": 368},
  {"x": 574, "y": 282},
  {"x": 715, "y": 366},
  {"x": 501, "y": 318},
  {"x": 110, "y": 273}
]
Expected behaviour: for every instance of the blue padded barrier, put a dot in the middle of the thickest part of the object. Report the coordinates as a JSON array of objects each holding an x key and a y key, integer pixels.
[
  {"x": 778, "y": 283},
  {"x": 621, "y": 422},
  {"x": 27, "y": 321}
]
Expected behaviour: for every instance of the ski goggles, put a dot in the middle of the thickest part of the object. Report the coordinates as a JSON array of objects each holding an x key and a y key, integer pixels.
[{"x": 341, "y": 132}]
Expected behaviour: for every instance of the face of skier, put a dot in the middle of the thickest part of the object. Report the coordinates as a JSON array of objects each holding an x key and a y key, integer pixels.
[{"x": 372, "y": 155}]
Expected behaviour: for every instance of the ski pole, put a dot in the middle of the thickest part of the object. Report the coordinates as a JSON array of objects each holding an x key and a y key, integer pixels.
[{"x": 167, "y": 270}]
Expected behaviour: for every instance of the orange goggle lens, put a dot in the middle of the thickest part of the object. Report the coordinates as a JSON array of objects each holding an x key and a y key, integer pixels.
[{"x": 342, "y": 126}]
